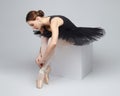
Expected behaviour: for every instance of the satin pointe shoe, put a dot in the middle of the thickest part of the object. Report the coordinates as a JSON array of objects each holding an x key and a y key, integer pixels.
[
  {"x": 46, "y": 75},
  {"x": 40, "y": 79}
]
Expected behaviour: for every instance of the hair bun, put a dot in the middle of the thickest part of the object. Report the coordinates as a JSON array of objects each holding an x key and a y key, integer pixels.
[{"x": 40, "y": 13}]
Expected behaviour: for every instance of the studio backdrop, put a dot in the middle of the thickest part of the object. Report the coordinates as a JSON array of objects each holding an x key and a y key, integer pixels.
[{"x": 19, "y": 47}]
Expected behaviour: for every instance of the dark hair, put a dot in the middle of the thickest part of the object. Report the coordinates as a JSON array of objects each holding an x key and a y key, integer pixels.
[{"x": 31, "y": 15}]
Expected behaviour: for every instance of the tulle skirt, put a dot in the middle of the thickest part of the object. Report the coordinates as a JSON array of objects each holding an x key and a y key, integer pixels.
[
  {"x": 82, "y": 35},
  {"x": 78, "y": 35}
]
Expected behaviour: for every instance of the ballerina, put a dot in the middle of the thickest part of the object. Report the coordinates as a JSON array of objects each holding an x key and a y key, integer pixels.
[{"x": 54, "y": 28}]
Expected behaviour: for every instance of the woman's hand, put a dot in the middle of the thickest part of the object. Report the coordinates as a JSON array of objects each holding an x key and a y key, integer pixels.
[{"x": 39, "y": 61}]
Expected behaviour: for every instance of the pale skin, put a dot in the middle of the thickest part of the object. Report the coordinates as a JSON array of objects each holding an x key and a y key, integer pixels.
[{"x": 47, "y": 45}]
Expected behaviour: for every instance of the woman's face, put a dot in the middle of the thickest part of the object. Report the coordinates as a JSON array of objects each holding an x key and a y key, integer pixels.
[{"x": 35, "y": 24}]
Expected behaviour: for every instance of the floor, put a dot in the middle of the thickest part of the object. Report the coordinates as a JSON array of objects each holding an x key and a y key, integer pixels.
[{"x": 17, "y": 78}]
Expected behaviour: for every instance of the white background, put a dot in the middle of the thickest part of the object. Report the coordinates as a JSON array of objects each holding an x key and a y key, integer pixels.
[{"x": 19, "y": 48}]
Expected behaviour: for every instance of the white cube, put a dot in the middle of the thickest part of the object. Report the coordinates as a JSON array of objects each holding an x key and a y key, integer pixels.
[{"x": 72, "y": 61}]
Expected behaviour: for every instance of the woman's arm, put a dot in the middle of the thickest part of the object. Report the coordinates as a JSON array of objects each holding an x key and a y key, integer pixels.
[{"x": 55, "y": 23}]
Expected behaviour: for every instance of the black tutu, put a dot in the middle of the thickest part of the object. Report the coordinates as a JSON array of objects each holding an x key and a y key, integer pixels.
[{"x": 76, "y": 35}]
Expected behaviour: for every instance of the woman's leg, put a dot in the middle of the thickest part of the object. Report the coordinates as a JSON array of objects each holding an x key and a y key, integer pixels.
[
  {"x": 50, "y": 58},
  {"x": 44, "y": 71}
]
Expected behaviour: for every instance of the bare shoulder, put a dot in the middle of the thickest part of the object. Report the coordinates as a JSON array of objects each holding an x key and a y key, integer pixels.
[{"x": 57, "y": 20}]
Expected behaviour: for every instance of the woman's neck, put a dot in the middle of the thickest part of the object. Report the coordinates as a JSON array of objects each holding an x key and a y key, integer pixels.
[{"x": 45, "y": 21}]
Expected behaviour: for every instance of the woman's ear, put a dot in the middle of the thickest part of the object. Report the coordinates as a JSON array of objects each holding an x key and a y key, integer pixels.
[{"x": 38, "y": 18}]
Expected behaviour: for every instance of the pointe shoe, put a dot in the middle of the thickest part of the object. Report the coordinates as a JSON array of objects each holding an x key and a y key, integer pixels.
[
  {"x": 46, "y": 76},
  {"x": 40, "y": 79}
]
